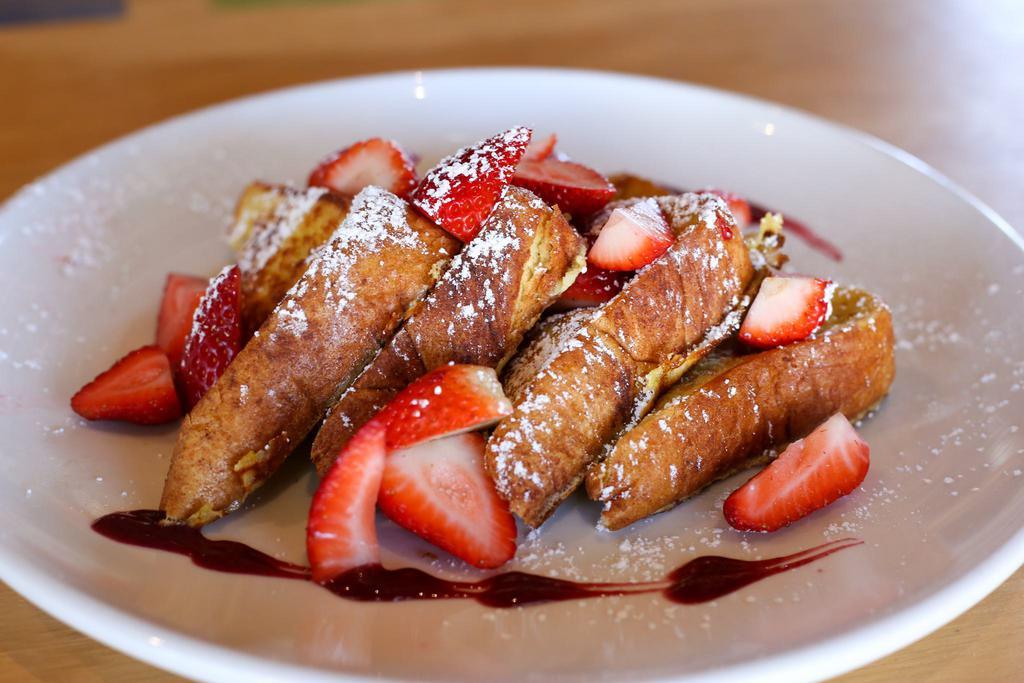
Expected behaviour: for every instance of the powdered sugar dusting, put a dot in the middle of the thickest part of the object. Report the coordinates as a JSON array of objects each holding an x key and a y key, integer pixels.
[
  {"x": 554, "y": 335},
  {"x": 468, "y": 165},
  {"x": 205, "y": 311},
  {"x": 377, "y": 218},
  {"x": 680, "y": 209},
  {"x": 488, "y": 250},
  {"x": 830, "y": 290},
  {"x": 728, "y": 326},
  {"x": 268, "y": 236},
  {"x": 292, "y": 318}
]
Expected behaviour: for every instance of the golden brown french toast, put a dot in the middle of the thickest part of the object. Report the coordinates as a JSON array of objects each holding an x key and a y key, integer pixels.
[
  {"x": 629, "y": 186},
  {"x": 623, "y": 355},
  {"x": 343, "y": 308},
  {"x": 732, "y": 408},
  {"x": 539, "y": 346},
  {"x": 257, "y": 203},
  {"x": 284, "y": 226},
  {"x": 524, "y": 257}
]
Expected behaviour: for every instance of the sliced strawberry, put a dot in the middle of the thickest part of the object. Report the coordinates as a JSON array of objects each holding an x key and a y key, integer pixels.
[
  {"x": 786, "y": 309},
  {"x": 439, "y": 491},
  {"x": 592, "y": 288},
  {"x": 461, "y": 190},
  {"x": 340, "y": 533},
  {"x": 810, "y": 474},
  {"x": 181, "y": 296},
  {"x": 739, "y": 206},
  {"x": 449, "y": 400},
  {"x": 375, "y": 161},
  {"x": 575, "y": 188},
  {"x": 138, "y": 388},
  {"x": 215, "y": 337},
  {"x": 541, "y": 148},
  {"x": 634, "y": 236}
]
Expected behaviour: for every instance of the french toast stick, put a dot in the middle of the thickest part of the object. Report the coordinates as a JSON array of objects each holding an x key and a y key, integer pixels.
[
  {"x": 539, "y": 346},
  {"x": 257, "y": 203},
  {"x": 629, "y": 186},
  {"x": 282, "y": 225},
  {"x": 329, "y": 325},
  {"x": 732, "y": 408},
  {"x": 494, "y": 291},
  {"x": 624, "y": 354}
]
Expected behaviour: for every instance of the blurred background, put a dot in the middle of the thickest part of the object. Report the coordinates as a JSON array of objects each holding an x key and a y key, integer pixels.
[{"x": 939, "y": 78}]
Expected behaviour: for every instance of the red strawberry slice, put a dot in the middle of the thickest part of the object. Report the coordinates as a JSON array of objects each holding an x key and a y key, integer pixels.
[
  {"x": 181, "y": 297},
  {"x": 810, "y": 474},
  {"x": 576, "y": 189},
  {"x": 375, "y": 161},
  {"x": 439, "y": 491},
  {"x": 541, "y": 148},
  {"x": 592, "y": 288},
  {"x": 138, "y": 388},
  {"x": 215, "y": 337},
  {"x": 340, "y": 533},
  {"x": 449, "y": 400},
  {"x": 739, "y": 206},
  {"x": 461, "y": 190},
  {"x": 634, "y": 236},
  {"x": 786, "y": 309}
]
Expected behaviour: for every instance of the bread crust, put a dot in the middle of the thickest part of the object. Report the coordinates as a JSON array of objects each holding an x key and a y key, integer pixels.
[
  {"x": 257, "y": 203},
  {"x": 525, "y": 256},
  {"x": 330, "y": 324},
  {"x": 539, "y": 346},
  {"x": 624, "y": 354},
  {"x": 733, "y": 407},
  {"x": 629, "y": 186},
  {"x": 285, "y": 226}
]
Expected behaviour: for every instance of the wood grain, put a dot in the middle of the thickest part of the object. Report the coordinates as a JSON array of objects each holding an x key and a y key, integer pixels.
[{"x": 939, "y": 78}]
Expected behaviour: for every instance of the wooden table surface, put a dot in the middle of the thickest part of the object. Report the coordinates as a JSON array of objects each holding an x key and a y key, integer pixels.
[{"x": 938, "y": 78}]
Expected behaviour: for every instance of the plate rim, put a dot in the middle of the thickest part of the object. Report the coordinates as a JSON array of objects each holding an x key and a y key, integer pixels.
[{"x": 186, "y": 655}]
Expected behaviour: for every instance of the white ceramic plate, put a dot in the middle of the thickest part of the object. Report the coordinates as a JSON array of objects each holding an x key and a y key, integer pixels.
[{"x": 84, "y": 253}]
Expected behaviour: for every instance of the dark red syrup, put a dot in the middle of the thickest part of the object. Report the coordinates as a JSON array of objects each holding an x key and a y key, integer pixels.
[
  {"x": 144, "y": 528},
  {"x": 723, "y": 228},
  {"x": 699, "y": 580},
  {"x": 794, "y": 227}
]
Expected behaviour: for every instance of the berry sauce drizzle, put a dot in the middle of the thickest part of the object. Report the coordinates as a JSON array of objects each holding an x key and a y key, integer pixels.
[
  {"x": 699, "y": 580},
  {"x": 144, "y": 528},
  {"x": 794, "y": 227}
]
